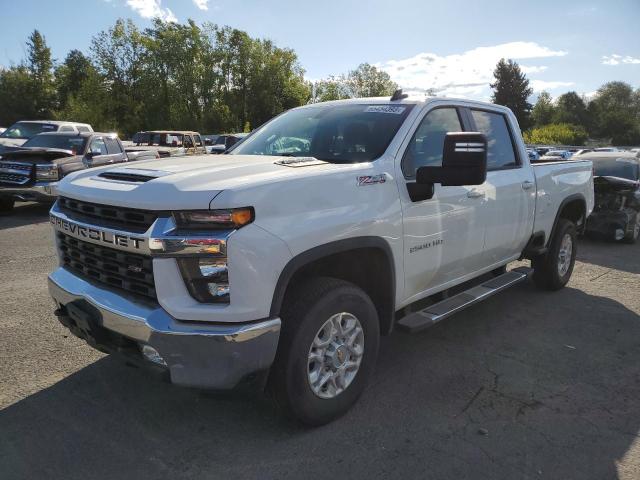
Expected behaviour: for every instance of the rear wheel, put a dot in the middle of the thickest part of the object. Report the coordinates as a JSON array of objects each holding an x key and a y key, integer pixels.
[
  {"x": 552, "y": 270},
  {"x": 327, "y": 350},
  {"x": 6, "y": 205},
  {"x": 633, "y": 230}
]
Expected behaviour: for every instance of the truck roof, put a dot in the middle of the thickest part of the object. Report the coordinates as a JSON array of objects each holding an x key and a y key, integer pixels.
[
  {"x": 79, "y": 134},
  {"x": 411, "y": 99},
  {"x": 53, "y": 122},
  {"x": 171, "y": 132}
]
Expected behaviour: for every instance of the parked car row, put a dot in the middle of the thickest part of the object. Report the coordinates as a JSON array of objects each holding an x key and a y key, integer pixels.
[{"x": 35, "y": 155}]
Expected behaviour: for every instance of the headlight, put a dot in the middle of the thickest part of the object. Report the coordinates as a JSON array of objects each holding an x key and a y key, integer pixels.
[
  {"x": 228, "y": 219},
  {"x": 206, "y": 278},
  {"x": 46, "y": 172}
]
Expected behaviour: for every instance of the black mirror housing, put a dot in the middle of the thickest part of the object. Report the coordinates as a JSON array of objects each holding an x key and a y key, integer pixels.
[{"x": 464, "y": 161}]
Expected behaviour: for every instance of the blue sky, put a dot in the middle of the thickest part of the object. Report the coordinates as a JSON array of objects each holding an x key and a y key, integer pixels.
[{"x": 450, "y": 46}]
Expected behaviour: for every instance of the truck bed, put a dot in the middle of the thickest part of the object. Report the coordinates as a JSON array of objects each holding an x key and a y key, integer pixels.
[{"x": 558, "y": 182}]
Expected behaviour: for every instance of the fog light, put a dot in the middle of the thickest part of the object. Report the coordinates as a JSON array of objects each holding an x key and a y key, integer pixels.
[
  {"x": 152, "y": 355},
  {"x": 618, "y": 234}
]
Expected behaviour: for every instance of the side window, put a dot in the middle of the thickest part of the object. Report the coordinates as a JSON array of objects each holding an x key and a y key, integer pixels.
[
  {"x": 113, "y": 147},
  {"x": 98, "y": 146},
  {"x": 500, "y": 152},
  {"x": 425, "y": 148},
  {"x": 198, "y": 140},
  {"x": 82, "y": 128},
  {"x": 66, "y": 128},
  {"x": 188, "y": 142}
]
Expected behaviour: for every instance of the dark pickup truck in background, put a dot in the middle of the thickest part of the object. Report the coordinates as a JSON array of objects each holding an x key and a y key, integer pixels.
[{"x": 31, "y": 172}]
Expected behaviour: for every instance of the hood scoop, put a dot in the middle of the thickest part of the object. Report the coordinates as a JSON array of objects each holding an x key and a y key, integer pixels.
[
  {"x": 132, "y": 175},
  {"x": 299, "y": 162}
]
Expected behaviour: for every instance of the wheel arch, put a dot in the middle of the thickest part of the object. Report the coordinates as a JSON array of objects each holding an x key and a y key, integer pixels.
[
  {"x": 573, "y": 208},
  {"x": 365, "y": 261}
]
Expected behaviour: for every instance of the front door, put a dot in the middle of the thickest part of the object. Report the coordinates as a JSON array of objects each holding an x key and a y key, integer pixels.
[{"x": 443, "y": 235}]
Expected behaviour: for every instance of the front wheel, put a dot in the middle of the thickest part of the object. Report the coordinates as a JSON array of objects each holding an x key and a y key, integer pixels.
[
  {"x": 327, "y": 350},
  {"x": 552, "y": 270}
]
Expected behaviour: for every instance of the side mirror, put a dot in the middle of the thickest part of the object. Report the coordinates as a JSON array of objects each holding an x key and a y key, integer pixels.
[
  {"x": 90, "y": 154},
  {"x": 464, "y": 161}
]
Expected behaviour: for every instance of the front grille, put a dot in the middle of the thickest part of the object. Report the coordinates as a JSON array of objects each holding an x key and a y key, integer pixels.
[
  {"x": 127, "y": 271},
  {"x": 129, "y": 219},
  {"x": 13, "y": 178},
  {"x": 15, "y": 173}
]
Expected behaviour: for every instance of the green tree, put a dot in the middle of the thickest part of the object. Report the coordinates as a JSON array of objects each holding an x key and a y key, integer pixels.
[
  {"x": 368, "y": 81},
  {"x": 511, "y": 89},
  {"x": 543, "y": 110},
  {"x": 615, "y": 113},
  {"x": 40, "y": 67},
  {"x": 119, "y": 55},
  {"x": 15, "y": 101},
  {"x": 71, "y": 75},
  {"x": 571, "y": 108},
  {"x": 332, "y": 88},
  {"x": 556, "y": 134}
]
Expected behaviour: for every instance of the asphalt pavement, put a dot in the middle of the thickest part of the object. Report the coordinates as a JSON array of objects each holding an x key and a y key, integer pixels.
[{"x": 526, "y": 385}]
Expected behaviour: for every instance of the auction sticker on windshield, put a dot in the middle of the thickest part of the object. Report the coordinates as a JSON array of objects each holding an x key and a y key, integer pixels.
[{"x": 385, "y": 109}]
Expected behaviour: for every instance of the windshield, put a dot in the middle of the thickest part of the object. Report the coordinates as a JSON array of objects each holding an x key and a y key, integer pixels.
[
  {"x": 167, "y": 139},
  {"x": 616, "y": 167},
  {"x": 345, "y": 133},
  {"x": 27, "y": 130},
  {"x": 74, "y": 143}
]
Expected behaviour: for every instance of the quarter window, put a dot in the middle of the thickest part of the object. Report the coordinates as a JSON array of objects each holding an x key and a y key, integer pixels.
[
  {"x": 113, "y": 146},
  {"x": 500, "y": 152},
  {"x": 425, "y": 148}
]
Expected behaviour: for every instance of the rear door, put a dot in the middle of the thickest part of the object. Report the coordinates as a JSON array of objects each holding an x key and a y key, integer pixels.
[
  {"x": 509, "y": 190},
  {"x": 115, "y": 152},
  {"x": 443, "y": 235}
]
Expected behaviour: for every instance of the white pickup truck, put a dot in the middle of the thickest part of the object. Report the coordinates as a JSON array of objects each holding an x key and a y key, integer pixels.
[{"x": 285, "y": 259}]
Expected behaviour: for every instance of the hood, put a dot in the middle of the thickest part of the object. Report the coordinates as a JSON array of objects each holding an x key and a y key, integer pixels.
[
  {"x": 35, "y": 155},
  {"x": 11, "y": 142},
  {"x": 179, "y": 183}
]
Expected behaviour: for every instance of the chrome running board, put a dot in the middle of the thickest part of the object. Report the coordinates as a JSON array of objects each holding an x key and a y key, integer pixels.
[{"x": 417, "y": 321}]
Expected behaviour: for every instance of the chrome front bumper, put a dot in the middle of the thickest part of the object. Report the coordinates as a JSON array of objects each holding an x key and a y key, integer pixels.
[
  {"x": 38, "y": 192},
  {"x": 196, "y": 354}
]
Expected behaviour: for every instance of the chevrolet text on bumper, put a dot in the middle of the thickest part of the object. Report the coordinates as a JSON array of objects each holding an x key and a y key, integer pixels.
[{"x": 220, "y": 268}]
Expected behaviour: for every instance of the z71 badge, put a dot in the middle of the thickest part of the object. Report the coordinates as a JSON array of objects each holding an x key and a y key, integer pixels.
[{"x": 371, "y": 179}]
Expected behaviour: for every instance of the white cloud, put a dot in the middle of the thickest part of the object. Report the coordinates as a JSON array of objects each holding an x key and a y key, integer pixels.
[
  {"x": 540, "y": 85},
  {"x": 201, "y": 4},
  {"x": 467, "y": 74},
  {"x": 152, "y": 9},
  {"x": 616, "y": 59}
]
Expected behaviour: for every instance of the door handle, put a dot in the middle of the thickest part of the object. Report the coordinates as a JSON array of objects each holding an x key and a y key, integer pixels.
[
  {"x": 527, "y": 185},
  {"x": 475, "y": 193}
]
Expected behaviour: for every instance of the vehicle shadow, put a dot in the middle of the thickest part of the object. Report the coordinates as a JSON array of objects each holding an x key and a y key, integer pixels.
[
  {"x": 25, "y": 214},
  {"x": 526, "y": 385},
  {"x": 609, "y": 254}
]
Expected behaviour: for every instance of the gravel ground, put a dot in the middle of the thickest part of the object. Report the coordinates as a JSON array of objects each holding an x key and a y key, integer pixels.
[{"x": 526, "y": 385}]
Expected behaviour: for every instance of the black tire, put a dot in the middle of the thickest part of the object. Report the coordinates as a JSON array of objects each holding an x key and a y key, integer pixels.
[
  {"x": 304, "y": 313},
  {"x": 546, "y": 271},
  {"x": 633, "y": 230},
  {"x": 6, "y": 205}
]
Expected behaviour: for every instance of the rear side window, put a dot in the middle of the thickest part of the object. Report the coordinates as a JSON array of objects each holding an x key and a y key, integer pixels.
[
  {"x": 500, "y": 153},
  {"x": 113, "y": 147},
  {"x": 427, "y": 143}
]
